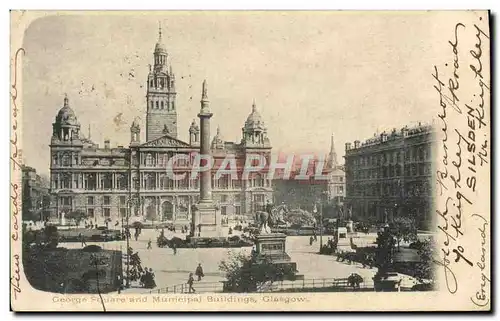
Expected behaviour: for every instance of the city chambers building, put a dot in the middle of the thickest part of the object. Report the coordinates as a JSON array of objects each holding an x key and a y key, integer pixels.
[
  {"x": 107, "y": 183},
  {"x": 390, "y": 175}
]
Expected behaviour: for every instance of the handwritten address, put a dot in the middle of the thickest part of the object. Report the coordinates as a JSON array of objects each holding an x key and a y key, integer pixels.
[{"x": 463, "y": 142}]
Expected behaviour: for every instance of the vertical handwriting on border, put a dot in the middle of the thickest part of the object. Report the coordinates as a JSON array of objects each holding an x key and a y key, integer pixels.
[{"x": 14, "y": 195}]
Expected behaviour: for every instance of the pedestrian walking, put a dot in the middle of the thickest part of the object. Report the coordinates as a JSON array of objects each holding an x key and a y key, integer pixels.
[
  {"x": 149, "y": 245},
  {"x": 190, "y": 283},
  {"x": 199, "y": 272},
  {"x": 82, "y": 239},
  {"x": 174, "y": 247},
  {"x": 311, "y": 240}
]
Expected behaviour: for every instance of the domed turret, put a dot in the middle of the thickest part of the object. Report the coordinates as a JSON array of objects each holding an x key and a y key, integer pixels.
[
  {"x": 135, "y": 132},
  {"x": 254, "y": 131},
  {"x": 254, "y": 120},
  {"x": 160, "y": 54},
  {"x": 66, "y": 115},
  {"x": 66, "y": 127},
  {"x": 194, "y": 134},
  {"x": 217, "y": 142}
]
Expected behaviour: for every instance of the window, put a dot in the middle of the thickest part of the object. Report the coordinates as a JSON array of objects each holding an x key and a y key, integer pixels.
[
  {"x": 90, "y": 212},
  {"x": 66, "y": 201},
  {"x": 237, "y": 184},
  {"x": 149, "y": 160},
  {"x": 122, "y": 181},
  {"x": 224, "y": 182},
  {"x": 106, "y": 181},
  {"x": 258, "y": 181},
  {"x": 152, "y": 103},
  {"x": 237, "y": 198},
  {"x": 66, "y": 160},
  {"x": 123, "y": 212},
  {"x": 106, "y": 200},
  {"x": 157, "y": 104},
  {"x": 90, "y": 200},
  {"x": 150, "y": 181},
  {"x": 122, "y": 200},
  {"x": 259, "y": 198},
  {"x": 341, "y": 189},
  {"x": 341, "y": 179},
  {"x": 237, "y": 210},
  {"x": 223, "y": 198},
  {"x": 223, "y": 210},
  {"x": 107, "y": 212},
  {"x": 162, "y": 104},
  {"x": 66, "y": 181}
]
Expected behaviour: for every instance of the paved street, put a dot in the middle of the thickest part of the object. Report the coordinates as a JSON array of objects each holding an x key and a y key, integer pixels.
[{"x": 173, "y": 269}]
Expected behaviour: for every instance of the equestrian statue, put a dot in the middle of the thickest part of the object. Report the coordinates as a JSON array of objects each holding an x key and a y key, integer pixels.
[{"x": 273, "y": 216}]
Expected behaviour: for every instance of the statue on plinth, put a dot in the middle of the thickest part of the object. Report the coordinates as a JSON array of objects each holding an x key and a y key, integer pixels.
[{"x": 273, "y": 216}]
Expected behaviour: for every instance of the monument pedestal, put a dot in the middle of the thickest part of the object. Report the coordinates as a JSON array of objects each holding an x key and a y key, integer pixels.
[
  {"x": 206, "y": 220},
  {"x": 349, "y": 224},
  {"x": 273, "y": 247}
]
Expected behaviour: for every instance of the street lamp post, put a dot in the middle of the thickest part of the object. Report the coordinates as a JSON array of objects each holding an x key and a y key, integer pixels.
[
  {"x": 321, "y": 225},
  {"x": 127, "y": 231}
]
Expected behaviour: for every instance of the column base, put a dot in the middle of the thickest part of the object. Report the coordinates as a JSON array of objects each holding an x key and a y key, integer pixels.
[{"x": 208, "y": 220}]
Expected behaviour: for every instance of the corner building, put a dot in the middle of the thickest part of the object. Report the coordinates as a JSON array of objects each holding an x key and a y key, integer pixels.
[
  {"x": 106, "y": 182},
  {"x": 390, "y": 175}
]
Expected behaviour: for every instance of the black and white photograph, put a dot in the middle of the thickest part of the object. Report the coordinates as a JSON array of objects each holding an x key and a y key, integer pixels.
[{"x": 251, "y": 160}]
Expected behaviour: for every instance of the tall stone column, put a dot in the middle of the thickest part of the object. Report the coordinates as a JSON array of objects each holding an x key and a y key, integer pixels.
[{"x": 205, "y": 220}]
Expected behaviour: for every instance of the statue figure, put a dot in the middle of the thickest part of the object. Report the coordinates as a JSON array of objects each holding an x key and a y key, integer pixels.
[
  {"x": 263, "y": 221},
  {"x": 273, "y": 216},
  {"x": 278, "y": 215}
]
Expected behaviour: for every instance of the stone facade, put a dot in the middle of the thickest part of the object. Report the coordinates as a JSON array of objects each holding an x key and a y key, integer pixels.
[
  {"x": 390, "y": 175},
  {"x": 305, "y": 193},
  {"x": 35, "y": 193},
  {"x": 108, "y": 182}
]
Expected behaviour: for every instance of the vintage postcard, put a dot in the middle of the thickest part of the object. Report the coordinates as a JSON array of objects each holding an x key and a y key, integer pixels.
[{"x": 250, "y": 161}]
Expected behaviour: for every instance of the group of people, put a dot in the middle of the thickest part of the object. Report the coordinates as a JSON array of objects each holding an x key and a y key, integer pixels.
[
  {"x": 171, "y": 228},
  {"x": 147, "y": 278},
  {"x": 199, "y": 273}
]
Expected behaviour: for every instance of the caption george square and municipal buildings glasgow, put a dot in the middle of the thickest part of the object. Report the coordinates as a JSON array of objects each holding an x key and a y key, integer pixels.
[{"x": 384, "y": 175}]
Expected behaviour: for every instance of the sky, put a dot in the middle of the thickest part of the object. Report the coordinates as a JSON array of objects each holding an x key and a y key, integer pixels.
[{"x": 311, "y": 74}]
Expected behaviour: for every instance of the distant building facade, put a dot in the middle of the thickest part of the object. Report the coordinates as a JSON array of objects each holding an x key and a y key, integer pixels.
[
  {"x": 35, "y": 194},
  {"x": 107, "y": 182},
  {"x": 304, "y": 194},
  {"x": 390, "y": 175}
]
